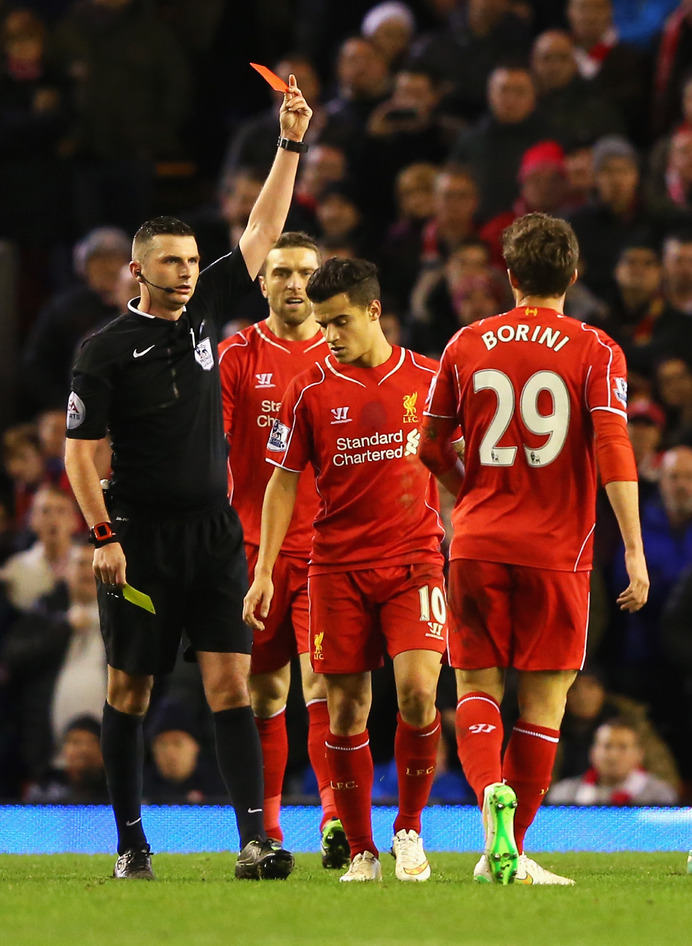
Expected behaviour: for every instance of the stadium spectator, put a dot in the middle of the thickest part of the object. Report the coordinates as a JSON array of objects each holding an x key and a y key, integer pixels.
[
  {"x": 81, "y": 779},
  {"x": 633, "y": 645},
  {"x": 616, "y": 775},
  {"x": 542, "y": 188},
  {"x": 391, "y": 26},
  {"x": 34, "y": 160},
  {"x": 168, "y": 496},
  {"x": 25, "y": 467},
  {"x": 72, "y": 314},
  {"x": 604, "y": 224},
  {"x": 645, "y": 424},
  {"x": 577, "y": 115},
  {"x": 178, "y": 773},
  {"x": 389, "y": 592},
  {"x": 409, "y": 252},
  {"x": 288, "y": 341},
  {"x": 493, "y": 147},
  {"x": 475, "y": 37},
  {"x": 659, "y": 155},
  {"x": 671, "y": 67},
  {"x": 638, "y": 317},
  {"x": 677, "y": 271},
  {"x": 589, "y": 705},
  {"x": 325, "y": 163},
  {"x": 404, "y": 129},
  {"x": 56, "y": 663},
  {"x": 28, "y": 575},
  {"x": 462, "y": 291},
  {"x": 415, "y": 195},
  {"x": 339, "y": 217},
  {"x": 678, "y": 176},
  {"x": 674, "y": 387},
  {"x": 617, "y": 72},
  {"x": 120, "y": 53},
  {"x": 505, "y": 583},
  {"x": 363, "y": 81}
]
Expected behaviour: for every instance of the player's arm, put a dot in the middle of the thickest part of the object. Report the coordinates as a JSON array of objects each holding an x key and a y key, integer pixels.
[
  {"x": 268, "y": 216},
  {"x": 81, "y": 458},
  {"x": 438, "y": 454},
  {"x": 619, "y": 475},
  {"x": 277, "y": 510}
]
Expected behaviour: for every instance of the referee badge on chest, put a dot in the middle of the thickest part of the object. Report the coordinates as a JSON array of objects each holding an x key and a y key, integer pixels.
[{"x": 204, "y": 356}]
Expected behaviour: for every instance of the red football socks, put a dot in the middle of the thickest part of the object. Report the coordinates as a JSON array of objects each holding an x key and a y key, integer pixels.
[
  {"x": 351, "y": 773},
  {"x": 415, "y": 751},
  {"x": 527, "y": 767},
  {"x": 479, "y": 741},
  {"x": 274, "y": 739},
  {"x": 318, "y": 730}
]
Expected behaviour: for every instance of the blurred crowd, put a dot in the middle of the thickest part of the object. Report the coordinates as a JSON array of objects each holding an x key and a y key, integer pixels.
[{"x": 436, "y": 123}]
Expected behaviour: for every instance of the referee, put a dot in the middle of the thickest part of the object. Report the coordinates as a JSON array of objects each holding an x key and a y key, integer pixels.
[{"x": 150, "y": 381}]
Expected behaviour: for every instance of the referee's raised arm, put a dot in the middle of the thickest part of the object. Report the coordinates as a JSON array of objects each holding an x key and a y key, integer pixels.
[{"x": 268, "y": 216}]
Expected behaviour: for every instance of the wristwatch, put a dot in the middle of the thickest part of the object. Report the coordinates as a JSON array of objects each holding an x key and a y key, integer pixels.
[
  {"x": 102, "y": 534},
  {"x": 288, "y": 145}
]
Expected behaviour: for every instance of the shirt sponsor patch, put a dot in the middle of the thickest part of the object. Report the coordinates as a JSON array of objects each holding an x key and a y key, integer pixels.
[
  {"x": 76, "y": 411},
  {"x": 204, "y": 355},
  {"x": 278, "y": 438}
]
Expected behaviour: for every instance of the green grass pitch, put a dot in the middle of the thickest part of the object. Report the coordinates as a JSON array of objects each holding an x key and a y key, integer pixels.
[{"x": 622, "y": 899}]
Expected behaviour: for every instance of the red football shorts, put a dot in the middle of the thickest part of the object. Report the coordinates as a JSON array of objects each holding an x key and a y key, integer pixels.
[
  {"x": 516, "y": 616},
  {"x": 354, "y": 615},
  {"x": 286, "y": 627}
]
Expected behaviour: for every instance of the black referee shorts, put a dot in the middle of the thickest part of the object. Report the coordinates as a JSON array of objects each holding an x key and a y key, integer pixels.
[{"x": 195, "y": 571}]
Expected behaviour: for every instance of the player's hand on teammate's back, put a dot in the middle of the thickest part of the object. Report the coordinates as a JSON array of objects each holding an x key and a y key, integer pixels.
[
  {"x": 295, "y": 113},
  {"x": 257, "y": 602},
  {"x": 634, "y": 596},
  {"x": 110, "y": 564}
]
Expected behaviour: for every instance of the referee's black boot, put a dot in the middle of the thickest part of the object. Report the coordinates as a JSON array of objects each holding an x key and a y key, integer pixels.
[
  {"x": 134, "y": 865},
  {"x": 264, "y": 860}
]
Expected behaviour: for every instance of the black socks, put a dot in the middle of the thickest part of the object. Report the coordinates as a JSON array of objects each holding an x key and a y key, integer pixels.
[
  {"x": 239, "y": 754},
  {"x": 122, "y": 743}
]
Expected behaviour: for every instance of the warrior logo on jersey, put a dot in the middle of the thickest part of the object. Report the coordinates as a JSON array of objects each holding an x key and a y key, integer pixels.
[
  {"x": 317, "y": 646},
  {"x": 278, "y": 438},
  {"x": 204, "y": 355},
  {"x": 529, "y": 311},
  {"x": 265, "y": 380},
  {"x": 620, "y": 385},
  {"x": 340, "y": 415},
  {"x": 76, "y": 411},
  {"x": 410, "y": 417}
]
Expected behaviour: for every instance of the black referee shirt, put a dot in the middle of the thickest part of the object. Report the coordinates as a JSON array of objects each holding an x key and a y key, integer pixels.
[{"x": 153, "y": 386}]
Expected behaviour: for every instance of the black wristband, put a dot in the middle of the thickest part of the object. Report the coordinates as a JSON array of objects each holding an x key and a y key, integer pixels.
[
  {"x": 102, "y": 534},
  {"x": 300, "y": 147}
]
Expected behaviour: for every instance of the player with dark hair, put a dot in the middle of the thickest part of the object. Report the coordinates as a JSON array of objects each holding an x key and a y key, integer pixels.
[
  {"x": 375, "y": 573},
  {"x": 539, "y": 398},
  {"x": 150, "y": 379},
  {"x": 256, "y": 367}
]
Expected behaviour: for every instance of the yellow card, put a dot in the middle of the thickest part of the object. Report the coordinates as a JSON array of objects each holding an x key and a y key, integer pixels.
[{"x": 138, "y": 598}]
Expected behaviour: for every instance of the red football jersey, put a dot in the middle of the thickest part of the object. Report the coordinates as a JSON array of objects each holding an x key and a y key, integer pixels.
[
  {"x": 359, "y": 428},
  {"x": 256, "y": 367},
  {"x": 522, "y": 387}
]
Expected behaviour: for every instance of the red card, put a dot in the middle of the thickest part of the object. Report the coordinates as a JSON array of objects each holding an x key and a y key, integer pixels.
[{"x": 271, "y": 77}]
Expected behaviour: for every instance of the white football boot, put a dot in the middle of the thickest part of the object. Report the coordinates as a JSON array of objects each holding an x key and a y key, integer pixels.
[
  {"x": 363, "y": 867},
  {"x": 411, "y": 862}
]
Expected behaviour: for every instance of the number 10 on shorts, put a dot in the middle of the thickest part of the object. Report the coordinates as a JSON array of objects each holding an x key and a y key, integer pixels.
[{"x": 433, "y": 609}]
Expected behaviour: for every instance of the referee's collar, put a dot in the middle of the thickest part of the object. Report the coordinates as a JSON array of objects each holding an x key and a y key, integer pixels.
[{"x": 145, "y": 315}]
